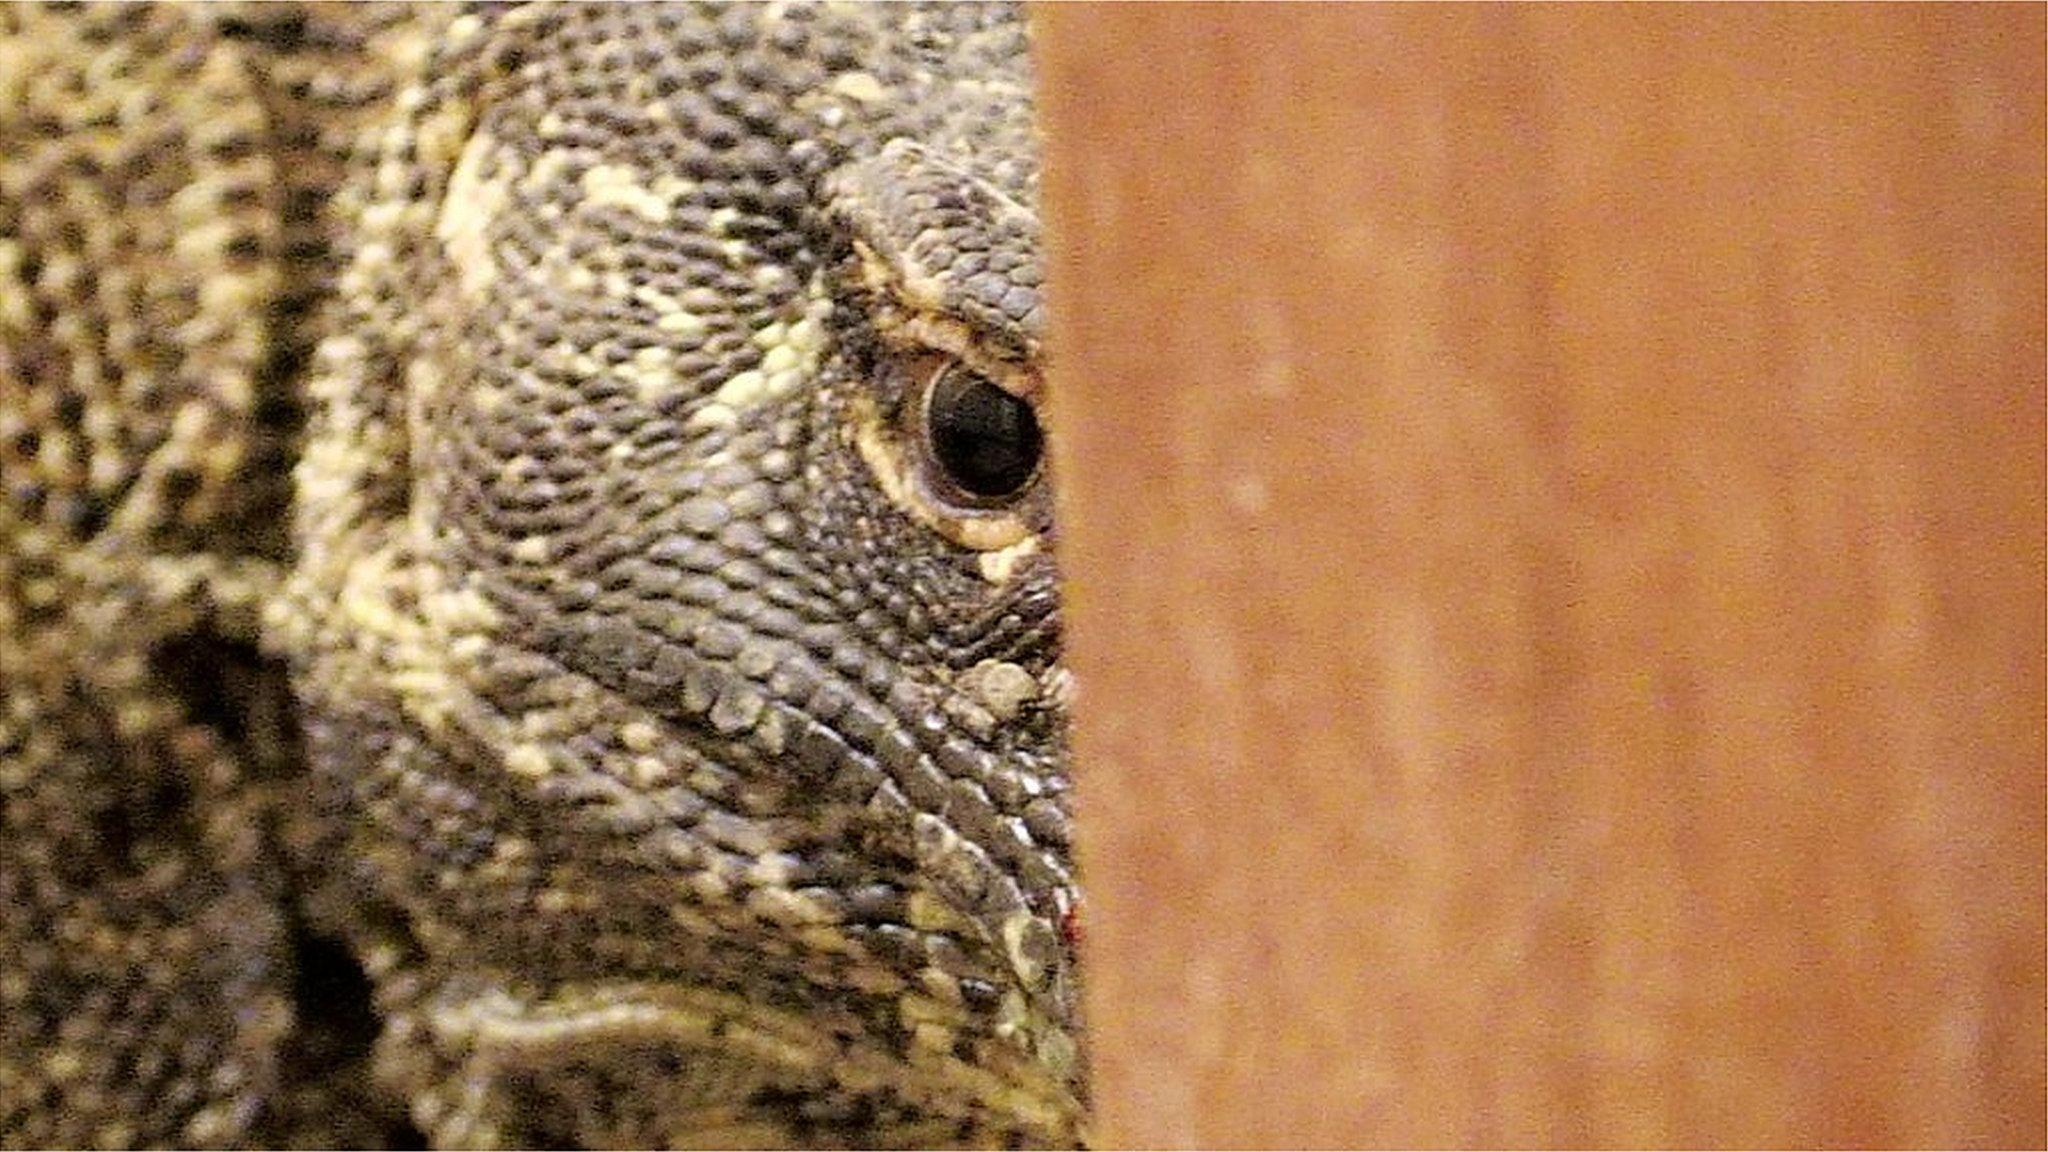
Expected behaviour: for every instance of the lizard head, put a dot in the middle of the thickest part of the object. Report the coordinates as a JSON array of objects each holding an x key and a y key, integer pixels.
[{"x": 675, "y": 613}]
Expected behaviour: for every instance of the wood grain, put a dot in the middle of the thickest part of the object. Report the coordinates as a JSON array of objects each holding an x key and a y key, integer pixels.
[{"x": 1553, "y": 506}]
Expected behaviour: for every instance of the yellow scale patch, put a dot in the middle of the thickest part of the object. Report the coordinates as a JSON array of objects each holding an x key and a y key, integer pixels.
[
  {"x": 615, "y": 185},
  {"x": 790, "y": 354},
  {"x": 466, "y": 215}
]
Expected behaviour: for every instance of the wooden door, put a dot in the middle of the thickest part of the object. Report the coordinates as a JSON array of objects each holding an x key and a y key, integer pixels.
[{"x": 1553, "y": 506}]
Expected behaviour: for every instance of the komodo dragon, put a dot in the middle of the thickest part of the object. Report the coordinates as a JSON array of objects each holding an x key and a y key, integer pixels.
[{"x": 526, "y": 614}]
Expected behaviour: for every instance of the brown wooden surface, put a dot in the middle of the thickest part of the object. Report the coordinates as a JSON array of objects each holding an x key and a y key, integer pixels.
[{"x": 1553, "y": 501}]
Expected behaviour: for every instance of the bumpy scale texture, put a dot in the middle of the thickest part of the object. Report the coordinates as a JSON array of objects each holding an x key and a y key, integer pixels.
[{"x": 491, "y": 651}]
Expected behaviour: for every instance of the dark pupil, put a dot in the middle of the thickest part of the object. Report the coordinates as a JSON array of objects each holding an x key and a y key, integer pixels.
[{"x": 986, "y": 439}]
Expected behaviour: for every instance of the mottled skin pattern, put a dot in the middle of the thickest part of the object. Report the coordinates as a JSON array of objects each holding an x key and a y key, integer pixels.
[{"x": 637, "y": 718}]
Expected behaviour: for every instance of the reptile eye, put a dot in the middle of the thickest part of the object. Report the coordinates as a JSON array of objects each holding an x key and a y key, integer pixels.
[
  {"x": 984, "y": 443},
  {"x": 961, "y": 454}
]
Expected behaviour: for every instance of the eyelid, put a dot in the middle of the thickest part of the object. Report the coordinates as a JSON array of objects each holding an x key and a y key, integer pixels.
[
  {"x": 910, "y": 330},
  {"x": 914, "y": 256},
  {"x": 919, "y": 370}
]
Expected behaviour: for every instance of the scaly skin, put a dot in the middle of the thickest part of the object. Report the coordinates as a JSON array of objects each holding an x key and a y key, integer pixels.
[{"x": 657, "y": 734}]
